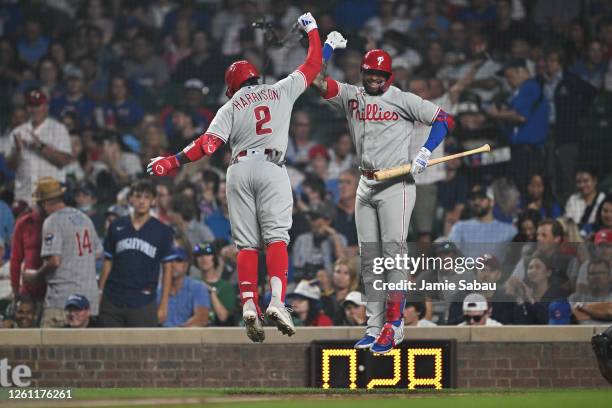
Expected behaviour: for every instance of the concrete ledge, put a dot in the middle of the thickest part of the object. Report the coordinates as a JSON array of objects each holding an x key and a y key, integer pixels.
[
  {"x": 522, "y": 334},
  {"x": 102, "y": 337},
  {"x": 12, "y": 337},
  {"x": 236, "y": 335}
]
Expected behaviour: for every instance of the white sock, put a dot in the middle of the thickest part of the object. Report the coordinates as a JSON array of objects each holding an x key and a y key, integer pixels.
[
  {"x": 246, "y": 303},
  {"x": 277, "y": 288}
]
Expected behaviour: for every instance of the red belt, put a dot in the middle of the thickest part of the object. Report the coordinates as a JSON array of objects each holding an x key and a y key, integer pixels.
[{"x": 368, "y": 173}]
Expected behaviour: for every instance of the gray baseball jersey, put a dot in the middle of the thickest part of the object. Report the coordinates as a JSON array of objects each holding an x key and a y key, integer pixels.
[
  {"x": 381, "y": 127},
  {"x": 70, "y": 234},
  {"x": 259, "y": 192},
  {"x": 257, "y": 117}
]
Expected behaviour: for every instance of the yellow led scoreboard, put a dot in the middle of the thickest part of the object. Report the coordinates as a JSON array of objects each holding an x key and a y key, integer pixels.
[{"x": 414, "y": 364}]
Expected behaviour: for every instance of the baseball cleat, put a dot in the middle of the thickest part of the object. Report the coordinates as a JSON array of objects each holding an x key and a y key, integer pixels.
[
  {"x": 365, "y": 342},
  {"x": 253, "y": 322},
  {"x": 390, "y": 336},
  {"x": 280, "y": 316}
]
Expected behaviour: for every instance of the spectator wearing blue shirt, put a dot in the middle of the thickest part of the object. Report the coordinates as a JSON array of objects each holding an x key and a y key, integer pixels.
[
  {"x": 524, "y": 121},
  {"x": 74, "y": 100},
  {"x": 135, "y": 247},
  {"x": 121, "y": 113},
  {"x": 189, "y": 301},
  {"x": 218, "y": 220},
  {"x": 482, "y": 233},
  {"x": 33, "y": 45}
]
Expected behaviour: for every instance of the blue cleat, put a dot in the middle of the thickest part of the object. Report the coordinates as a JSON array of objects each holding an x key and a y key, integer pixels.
[
  {"x": 365, "y": 342},
  {"x": 390, "y": 336}
]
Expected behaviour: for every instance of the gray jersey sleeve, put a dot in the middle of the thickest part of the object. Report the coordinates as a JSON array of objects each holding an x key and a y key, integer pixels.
[
  {"x": 51, "y": 237},
  {"x": 292, "y": 86},
  {"x": 221, "y": 125},
  {"x": 418, "y": 109},
  {"x": 340, "y": 100}
]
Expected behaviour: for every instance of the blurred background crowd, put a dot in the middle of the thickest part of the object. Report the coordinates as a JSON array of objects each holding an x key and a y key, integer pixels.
[{"x": 93, "y": 89}]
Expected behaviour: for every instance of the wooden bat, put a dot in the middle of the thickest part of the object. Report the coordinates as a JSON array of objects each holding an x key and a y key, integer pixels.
[{"x": 386, "y": 174}]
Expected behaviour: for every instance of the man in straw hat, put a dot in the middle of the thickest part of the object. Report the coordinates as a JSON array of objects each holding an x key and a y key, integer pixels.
[{"x": 70, "y": 245}]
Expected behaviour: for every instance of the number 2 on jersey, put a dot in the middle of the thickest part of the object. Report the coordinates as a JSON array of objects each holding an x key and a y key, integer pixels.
[
  {"x": 85, "y": 243},
  {"x": 262, "y": 115}
]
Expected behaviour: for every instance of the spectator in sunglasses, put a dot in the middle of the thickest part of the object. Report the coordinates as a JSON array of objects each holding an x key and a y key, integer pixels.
[{"x": 476, "y": 311}]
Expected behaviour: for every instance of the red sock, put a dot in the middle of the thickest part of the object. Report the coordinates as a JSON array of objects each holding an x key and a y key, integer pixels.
[
  {"x": 246, "y": 263},
  {"x": 277, "y": 262},
  {"x": 395, "y": 305}
]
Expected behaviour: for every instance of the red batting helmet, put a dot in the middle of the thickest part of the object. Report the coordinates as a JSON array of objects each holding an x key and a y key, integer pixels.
[
  {"x": 378, "y": 60},
  {"x": 237, "y": 73}
]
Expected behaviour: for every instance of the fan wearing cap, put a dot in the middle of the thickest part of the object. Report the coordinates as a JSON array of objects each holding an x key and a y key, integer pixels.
[
  {"x": 483, "y": 231},
  {"x": 222, "y": 293},
  {"x": 75, "y": 99},
  {"x": 524, "y": 121},
  {"x": 38, "y": 148},
  {"x": 476, "y": 312},
  {"x": 354, "y": 309},
  {"x": 602, "y": 250},
  {"x": 189, "y": 300},
  {"x": 500, "y": 305},
  {"x": 382, "y": 120},
  {"x": 191, "y": 104},
  {"x": 319, "y": 158},
  {"x": 70, "y": 247},
  {"x": 78, "y": 313},
  {"x": 255, "y": 124},
  {"x": 305, "y": 301}
]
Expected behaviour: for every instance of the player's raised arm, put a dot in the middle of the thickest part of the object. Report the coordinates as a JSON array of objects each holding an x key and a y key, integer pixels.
[
  {"x": 312, "y": 65},
  {"x": 334, "y": 41}
]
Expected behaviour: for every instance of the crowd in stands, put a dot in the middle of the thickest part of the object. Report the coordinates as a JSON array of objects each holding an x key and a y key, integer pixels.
[{"x": 92, "y": 90}]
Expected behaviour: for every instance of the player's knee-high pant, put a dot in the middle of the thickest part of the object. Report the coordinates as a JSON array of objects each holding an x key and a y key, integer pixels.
[{"x": 382, "y": 214}]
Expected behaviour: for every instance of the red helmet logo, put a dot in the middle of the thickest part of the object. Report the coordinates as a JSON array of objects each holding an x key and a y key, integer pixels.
[
  {"x": 378, "y": 60},
  {"x": 237, "y": 73}
]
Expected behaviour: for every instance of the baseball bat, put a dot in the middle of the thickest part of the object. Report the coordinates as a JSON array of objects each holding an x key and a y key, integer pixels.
[{"x": 386, "y": 174}]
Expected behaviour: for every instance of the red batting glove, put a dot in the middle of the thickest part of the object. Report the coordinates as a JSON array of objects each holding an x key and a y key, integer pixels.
[{"x": 162, "y": 166}]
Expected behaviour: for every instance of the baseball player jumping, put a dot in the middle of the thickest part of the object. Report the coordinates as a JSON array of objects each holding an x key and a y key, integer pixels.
[
  {"x": 381, "y": 119},
  {"x": 255, "y": 121}
]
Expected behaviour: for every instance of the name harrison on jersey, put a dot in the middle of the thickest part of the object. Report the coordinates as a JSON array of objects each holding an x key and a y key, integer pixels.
[
  {"x": 249, "y": 98},
  {"x": 372, "y": 112}
]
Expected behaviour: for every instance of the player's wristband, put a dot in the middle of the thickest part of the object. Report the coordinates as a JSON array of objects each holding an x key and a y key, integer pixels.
[{"x": 328, "y": 51}]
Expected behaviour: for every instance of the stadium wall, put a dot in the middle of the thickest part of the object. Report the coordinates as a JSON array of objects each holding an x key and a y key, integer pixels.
[{"x": 495, "y": 357}]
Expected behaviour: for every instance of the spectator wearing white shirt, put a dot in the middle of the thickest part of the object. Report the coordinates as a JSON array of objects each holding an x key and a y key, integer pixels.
[
  {"x": 582, "y": 206},
  {"x": 38, "y": 148}
]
